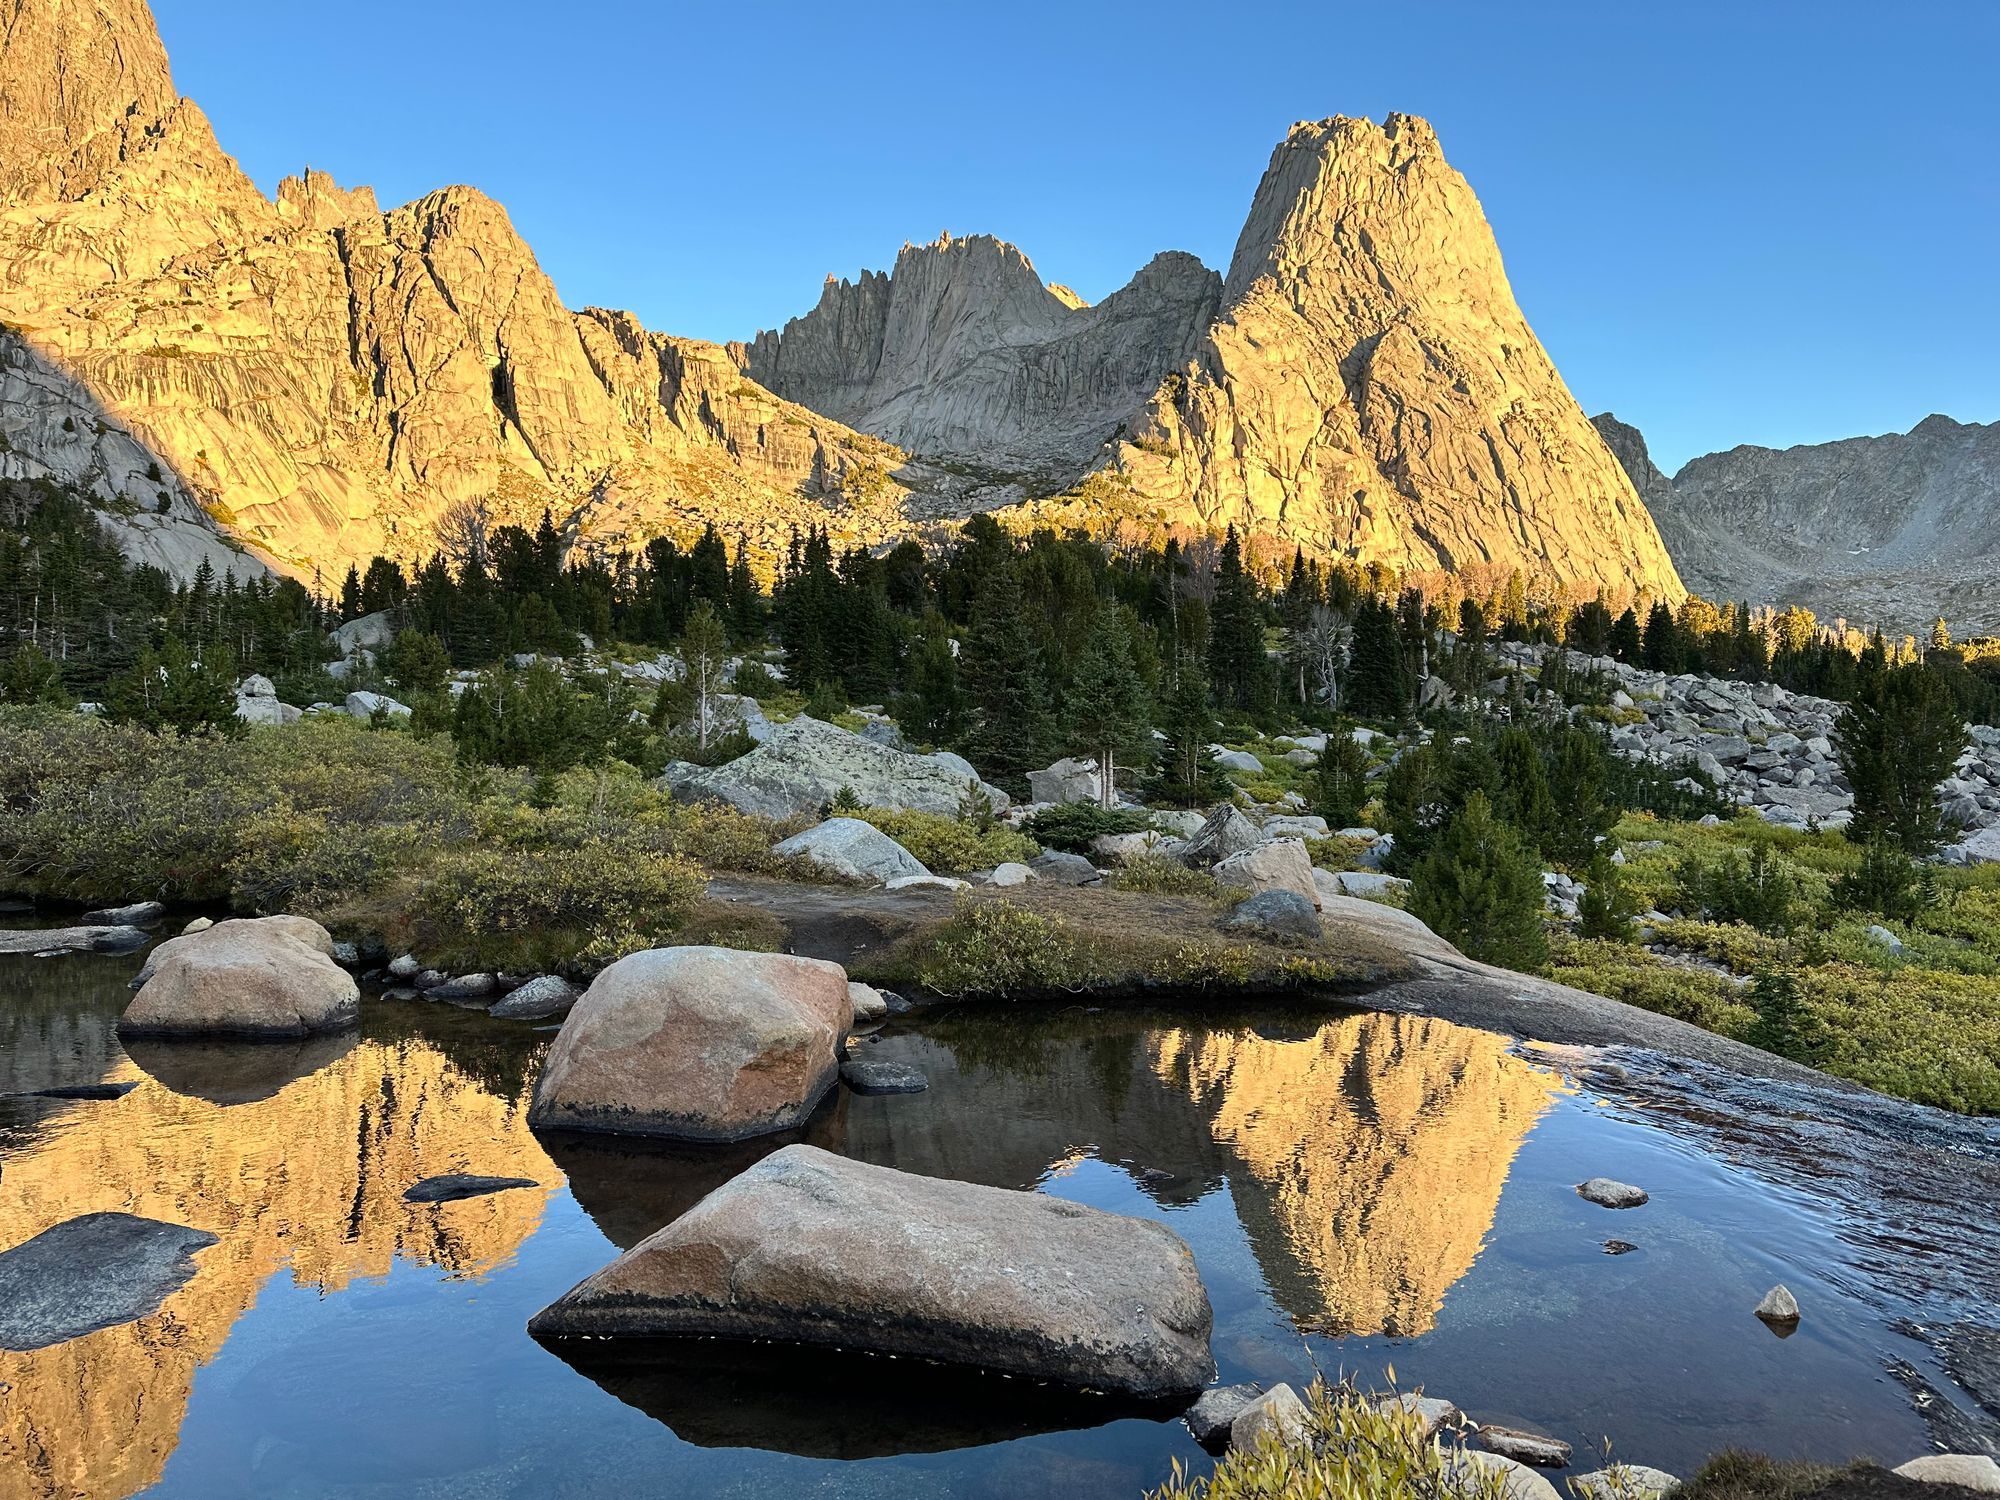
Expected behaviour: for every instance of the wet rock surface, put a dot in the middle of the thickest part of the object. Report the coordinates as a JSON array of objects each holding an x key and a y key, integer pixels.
[
  {"x": 449, "y": 1187},
  {"x": 815, "y": 1248},
  {"x": 91, "y": 1272}
]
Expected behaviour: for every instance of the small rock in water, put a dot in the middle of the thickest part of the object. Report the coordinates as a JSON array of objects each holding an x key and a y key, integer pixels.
[
  {"x": 199, "y": 924},
  {"x": 883, "y": 1078},
  {"x": 1278, "y": 1415},
  {"x": 465, "y": 987},
  {"x": 347, "y": 955},
  {"x": 1431, "y": 1411},
  {"x": 91, "y": 1272},
  {"x": 1972, "y": 1471},
  {"x": 1209, "y": 1418},
  {"x": 1606, "y": 1193},
  {"x": 86, "y": 1090},
  {"x": 405, "y": 966},
  {"x": 538, "y": 999},
  {"x": 452, "y": 1186},
  {"x": 867, "y": 1002},
  {"x": 1619, "y": 1247},
  {"x": 1524, "y": 1447},
  {"x": 1779, "y": 1309},
  {"x": 1624, "y": 1482},
  {"x": 135, "y": 915},
  {"x": 429, "y": 980}
]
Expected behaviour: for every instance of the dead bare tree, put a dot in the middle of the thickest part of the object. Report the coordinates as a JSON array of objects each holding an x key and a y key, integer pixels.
[{"x": 462, "y": 532}]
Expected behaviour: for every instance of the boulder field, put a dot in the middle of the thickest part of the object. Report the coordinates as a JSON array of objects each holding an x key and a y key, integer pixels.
[
  {"x": 700, "y": 1044},
  {"x": 248, "y": 977},
  {"x": 813, "y": 1248}
]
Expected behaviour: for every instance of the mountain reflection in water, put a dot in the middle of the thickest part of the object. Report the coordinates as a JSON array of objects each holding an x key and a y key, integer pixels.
[{"x": 305, "y": 1173}]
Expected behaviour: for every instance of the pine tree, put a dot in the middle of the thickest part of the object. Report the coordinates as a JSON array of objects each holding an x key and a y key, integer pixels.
[
  {"x": 1523, "y": 799},
  {"x": 1242, "y": 672},
  {"x": 932, "y": 709},
  {"x": 415, "y": 663},
  {"x": 1606, "y": 908},
  {"x": 1896, "y": 741},
  {"x": 704, "y": 650},
  {"x": 1579, "y": 811},
  {"x": 1377, "y": 686},
  {"x": 1106, "y": 713},
  {"x": 1185, "y": 773},
  {"x": 1480, "y": 889},
  {"x": 1662, "y": 650},
  {"x": 746, "y": 601},
  {"x": 1340, "y": 779},
  {"x": 350, "y": 595},
  {"x": 1626, "y": 644},
  {"x": 28, "y": 677},
  {"x": 1010, "y": 733}
]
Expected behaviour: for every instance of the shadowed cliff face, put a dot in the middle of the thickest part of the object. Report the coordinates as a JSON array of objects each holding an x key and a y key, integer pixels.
[
  {"x": 1892, "y": 530},
  {"x": 100, "y": 1415}
]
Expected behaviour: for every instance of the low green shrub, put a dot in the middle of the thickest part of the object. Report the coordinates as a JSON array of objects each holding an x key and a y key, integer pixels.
[
  {"x": 1071, "y": 826},
  {"x": 548, "y": 910},
  {"x": 947, "y": 846},
  {"x": 1351, "y": 1447},
  {"x": 1163, "y": 875},
  {"x": 998, "y": 948}
]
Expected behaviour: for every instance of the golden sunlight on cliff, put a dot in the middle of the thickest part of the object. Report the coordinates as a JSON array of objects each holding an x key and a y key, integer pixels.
[
  {"x": 100, "y": 1415},
  {"x": 1379, "y": 1146}
]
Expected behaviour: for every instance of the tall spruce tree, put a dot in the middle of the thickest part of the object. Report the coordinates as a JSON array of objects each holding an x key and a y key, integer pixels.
[
  {"x": 1898, "y": 739},
  {"x": 1185, "y": 773},
  {"x": 1377, "y": 686},
  {"x": 1239, "y": 668},
  {"x": 1480, "y": 889},
  {"x": 1010, "y": 733},
  {"x": 1106, "y": 712}
]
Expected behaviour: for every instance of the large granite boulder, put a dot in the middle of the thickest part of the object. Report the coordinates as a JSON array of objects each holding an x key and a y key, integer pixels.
[
  {"x": 1225, "y": 832},
  {"x": 1280, "y": 865},
  {"x": 702, "y": 1044},
  {"x": 805, "y": 764},
  {"x": 853, "y": 850},
  {"x": 813, "y": 1248},
  {"x": 248, "y": 977},
  {"x": 1074, "y": 780}
]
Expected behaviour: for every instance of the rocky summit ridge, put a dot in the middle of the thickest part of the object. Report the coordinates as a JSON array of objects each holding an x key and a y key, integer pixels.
[
  {"x": 307, "y": 379},
  {"x": 1892, "y": 530},
  {"x": 1362, "y": 382}
]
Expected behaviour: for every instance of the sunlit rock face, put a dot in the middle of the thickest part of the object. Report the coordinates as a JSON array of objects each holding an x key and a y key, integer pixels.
[
  {"x": 317, "y": 380},
  {"x": 1375, "y": 1152},
  {"x": 99, "y": 1416}
]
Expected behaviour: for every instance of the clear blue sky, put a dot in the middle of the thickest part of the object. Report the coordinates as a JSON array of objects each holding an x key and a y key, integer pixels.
[{"x": 1770, "y": 221}]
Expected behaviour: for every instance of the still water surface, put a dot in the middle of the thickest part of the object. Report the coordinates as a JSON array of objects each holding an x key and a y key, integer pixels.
[{"x": 1359, "y": 1190}]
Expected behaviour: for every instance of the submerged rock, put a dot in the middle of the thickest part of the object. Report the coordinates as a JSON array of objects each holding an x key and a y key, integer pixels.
[
  {"x": 52, "y": 940},
  {"x": 250, "y": 977},
  {"x": 867, "y": 1077},
  {"x": 136, "y": 915},
  {"x": 91, "y": 1272},
  {"x": 705, "y": 1044},
  {"x": 814, "y": 1248},
  {"x": 537, "y": 1000},
  {"x": 449, "y": 1187},
  {"x": 86, "y": 1090},
  {"x": 1524, "y": 1447},
  {"x": 1607, "y": 1193},
  {"x": 1209, "y": 1419}
]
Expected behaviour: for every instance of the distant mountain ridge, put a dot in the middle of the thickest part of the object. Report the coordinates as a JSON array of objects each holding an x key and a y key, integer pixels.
[{"x": 1892, "y": 530}]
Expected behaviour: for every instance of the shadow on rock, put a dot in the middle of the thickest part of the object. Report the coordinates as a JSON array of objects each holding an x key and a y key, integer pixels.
[
  {"x": 236, "y": 1072},
  {"x": 786, "y": 1398}
]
